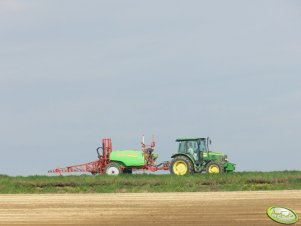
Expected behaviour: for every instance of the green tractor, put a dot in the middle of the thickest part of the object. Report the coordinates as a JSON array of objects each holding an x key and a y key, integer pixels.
[{"x": 194, "y": 156}]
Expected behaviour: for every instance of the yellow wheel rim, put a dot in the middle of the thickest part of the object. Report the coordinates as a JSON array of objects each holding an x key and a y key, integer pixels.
[
  {"x": 214, "y": 169},
  {"x": 180, "y": 167}
]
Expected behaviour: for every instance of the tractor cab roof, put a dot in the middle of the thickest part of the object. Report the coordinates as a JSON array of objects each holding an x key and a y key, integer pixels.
[{"x": 189, "y": 139}]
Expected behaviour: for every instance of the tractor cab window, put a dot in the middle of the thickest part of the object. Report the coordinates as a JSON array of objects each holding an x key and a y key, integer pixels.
[
  {"x": 188, "y": 147},
  {"x": 192, "y": 147},
  {"x": 182, "y": 147},
  {"x": 203, "y": 146}
]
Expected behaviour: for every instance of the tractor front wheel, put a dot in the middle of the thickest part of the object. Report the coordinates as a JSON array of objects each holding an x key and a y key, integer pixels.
[
  {"x": 181, "y": 165},
  {"x": 113, "y": 169},
  {"x": 213, "y": 168}
]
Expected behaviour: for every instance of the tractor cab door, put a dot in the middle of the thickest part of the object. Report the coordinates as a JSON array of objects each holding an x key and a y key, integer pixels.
[{"x": 202, "y": 148}]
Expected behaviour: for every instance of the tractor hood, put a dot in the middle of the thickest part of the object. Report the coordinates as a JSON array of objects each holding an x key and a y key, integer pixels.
[
  {"x": 205, "y": 154},
  {"x": 215, "y": 156}
]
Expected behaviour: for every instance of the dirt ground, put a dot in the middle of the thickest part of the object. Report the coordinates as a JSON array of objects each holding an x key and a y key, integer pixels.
[{"x": 212, "y": 208}]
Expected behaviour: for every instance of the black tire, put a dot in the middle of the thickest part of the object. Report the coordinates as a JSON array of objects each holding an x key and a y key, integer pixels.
[
  {"x": 128, "y": 171},
  {"x": 214, "y": 168},
  {"x": 183, "y": 160},
  {"x": 113, "y": 169}
]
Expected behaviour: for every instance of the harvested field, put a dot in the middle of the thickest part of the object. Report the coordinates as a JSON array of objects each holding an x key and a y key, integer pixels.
[{"x": 206, "y": 208}]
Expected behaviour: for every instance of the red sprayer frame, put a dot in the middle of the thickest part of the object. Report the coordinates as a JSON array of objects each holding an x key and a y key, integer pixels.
[
  {"x": 150, "y": 165},
  {"x": 99, "y": 165},
  {"x": 91, "y": 167}
]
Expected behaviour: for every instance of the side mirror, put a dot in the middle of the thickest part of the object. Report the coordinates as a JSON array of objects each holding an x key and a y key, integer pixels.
[{"x": 208, "y": 140}]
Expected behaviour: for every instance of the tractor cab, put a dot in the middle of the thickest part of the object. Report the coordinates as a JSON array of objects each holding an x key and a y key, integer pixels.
[{"x": 195, "y": 147}]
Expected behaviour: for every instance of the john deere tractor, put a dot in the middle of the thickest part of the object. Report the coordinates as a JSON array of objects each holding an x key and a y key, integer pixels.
[{"x": 194, "y": 156}]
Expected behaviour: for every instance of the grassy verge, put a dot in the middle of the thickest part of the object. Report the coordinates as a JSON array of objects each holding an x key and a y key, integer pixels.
[{"x": 151, "y": 183}]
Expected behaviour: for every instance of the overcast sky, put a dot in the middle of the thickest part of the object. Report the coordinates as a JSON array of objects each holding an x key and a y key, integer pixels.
[{"x": 72, "y": 72}]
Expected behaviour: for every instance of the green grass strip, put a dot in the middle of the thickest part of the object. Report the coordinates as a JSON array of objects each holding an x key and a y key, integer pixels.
[{"x": 240, "y": 181}]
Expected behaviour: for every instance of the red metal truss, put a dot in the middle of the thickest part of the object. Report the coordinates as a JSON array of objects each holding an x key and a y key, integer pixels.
[{"x": 91, "y": 167}]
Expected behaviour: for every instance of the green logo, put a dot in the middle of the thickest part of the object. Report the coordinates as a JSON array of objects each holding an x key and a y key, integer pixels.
[{"x": 282, "y": 215}]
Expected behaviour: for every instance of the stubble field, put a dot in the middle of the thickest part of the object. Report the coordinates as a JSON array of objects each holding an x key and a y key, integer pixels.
[{"x": 190, "y": 208}]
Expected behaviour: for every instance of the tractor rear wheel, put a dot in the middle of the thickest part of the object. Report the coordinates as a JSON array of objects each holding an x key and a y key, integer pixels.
[
  {"x": 113, "y": 169},
  {"x": 181, "y": 165},
  {"x": 214, "y": 168}
]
